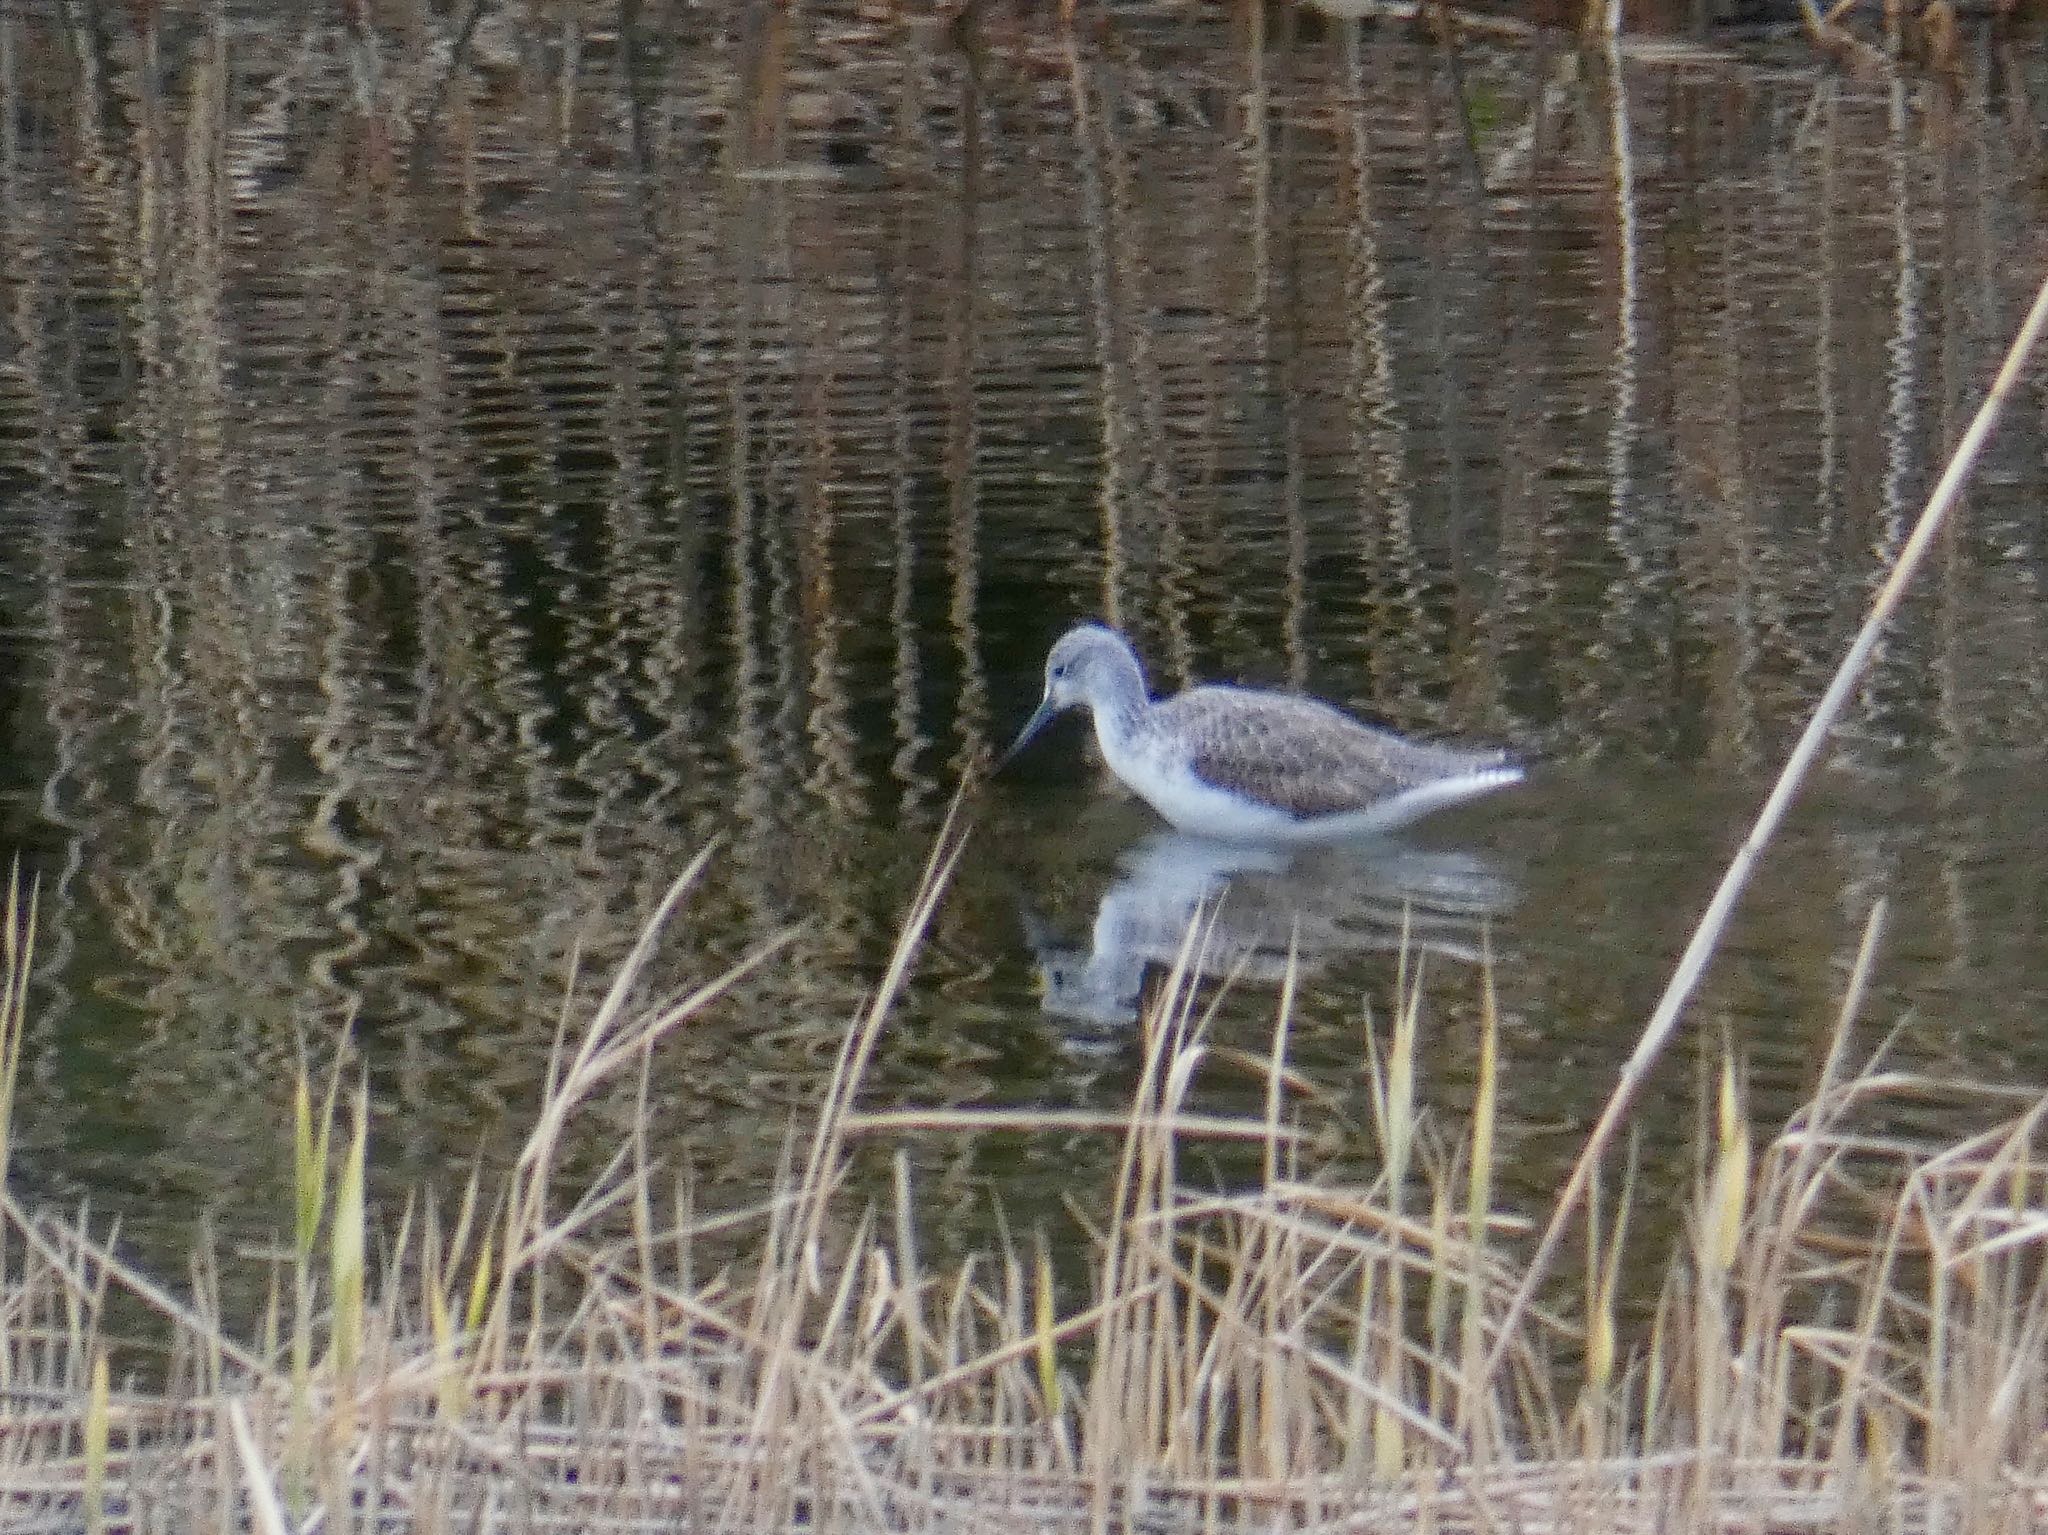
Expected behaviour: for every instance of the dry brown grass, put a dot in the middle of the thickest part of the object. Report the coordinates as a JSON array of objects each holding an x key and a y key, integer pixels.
[{"x": 1851, "y": 1337}]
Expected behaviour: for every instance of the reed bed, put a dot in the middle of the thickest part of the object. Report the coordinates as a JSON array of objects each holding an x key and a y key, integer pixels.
[{"x": 1849, "y": 1336}]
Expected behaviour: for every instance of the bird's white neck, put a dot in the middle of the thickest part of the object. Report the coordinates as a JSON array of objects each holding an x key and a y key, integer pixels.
[{"x": 1118, "y": 702}]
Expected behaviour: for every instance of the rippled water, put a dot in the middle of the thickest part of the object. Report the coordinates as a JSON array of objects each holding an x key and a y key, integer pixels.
[{"x": 449, "y": 479}]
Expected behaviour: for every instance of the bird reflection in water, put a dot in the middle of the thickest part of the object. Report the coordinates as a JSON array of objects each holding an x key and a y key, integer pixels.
[{"x": 1255, "y": 902}]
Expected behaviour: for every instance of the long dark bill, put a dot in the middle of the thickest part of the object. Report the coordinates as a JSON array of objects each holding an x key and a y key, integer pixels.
[{"x": 1032, "y": 726}]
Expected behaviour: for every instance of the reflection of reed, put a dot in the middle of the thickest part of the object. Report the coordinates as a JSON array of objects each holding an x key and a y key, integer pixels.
[
  {"x": 1103, "y": 309},
  {"x": 1257, "y": 151},
  {"x": 1632, "y": 529},
  {"x": 963, "y": 361},
  {"x": 832, "y": 781},
  {"x": 906, "y": 669},
  {"x": 1407, "y": 641},
  {"x": 1903, "y": 384},
  {"x": 1828, "y": 288}
]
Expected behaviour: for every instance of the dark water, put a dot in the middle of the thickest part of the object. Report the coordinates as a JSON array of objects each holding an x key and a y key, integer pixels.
[{"x": 447, "y": 480}]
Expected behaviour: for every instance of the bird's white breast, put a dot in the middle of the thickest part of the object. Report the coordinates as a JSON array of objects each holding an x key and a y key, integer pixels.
[{"x": 1148, "y": 763}]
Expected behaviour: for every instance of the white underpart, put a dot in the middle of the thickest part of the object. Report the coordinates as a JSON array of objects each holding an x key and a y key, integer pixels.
[
  {"x": 1162, "y": 777},
  {"x": 1397, "y": 810}
]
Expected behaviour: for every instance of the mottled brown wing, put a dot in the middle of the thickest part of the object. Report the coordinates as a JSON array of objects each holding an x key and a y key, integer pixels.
[{"x": 1302, "y": 756}]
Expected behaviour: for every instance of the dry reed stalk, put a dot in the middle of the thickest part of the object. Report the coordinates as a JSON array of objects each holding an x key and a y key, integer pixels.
[
  {"x": 17, "y": 960},
  {"x": 266, "y": 1513}
]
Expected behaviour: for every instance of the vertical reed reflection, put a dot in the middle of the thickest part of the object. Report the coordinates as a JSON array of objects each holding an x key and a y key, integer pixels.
[
  {"x": 899, "y": 282},
  {"x": 1290, "y": 350},
  {"x": 1632, "y": 529},
  {"x": 1404, "y": 635},
  {"x": 1104, "y": 310},
  {"x": 964, "y": 353}
]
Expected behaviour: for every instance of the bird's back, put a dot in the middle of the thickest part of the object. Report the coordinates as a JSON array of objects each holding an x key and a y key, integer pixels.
[{"x": 1302, "y": 756}]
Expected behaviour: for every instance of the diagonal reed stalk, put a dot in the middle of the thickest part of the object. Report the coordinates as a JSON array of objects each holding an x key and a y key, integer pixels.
[
  {"x": 1706, "y": 936},
  {"x": 17, "y": 959}
]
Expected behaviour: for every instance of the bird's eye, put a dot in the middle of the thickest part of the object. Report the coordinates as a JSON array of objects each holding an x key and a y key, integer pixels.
[{"x": 1060, "y": 670}]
